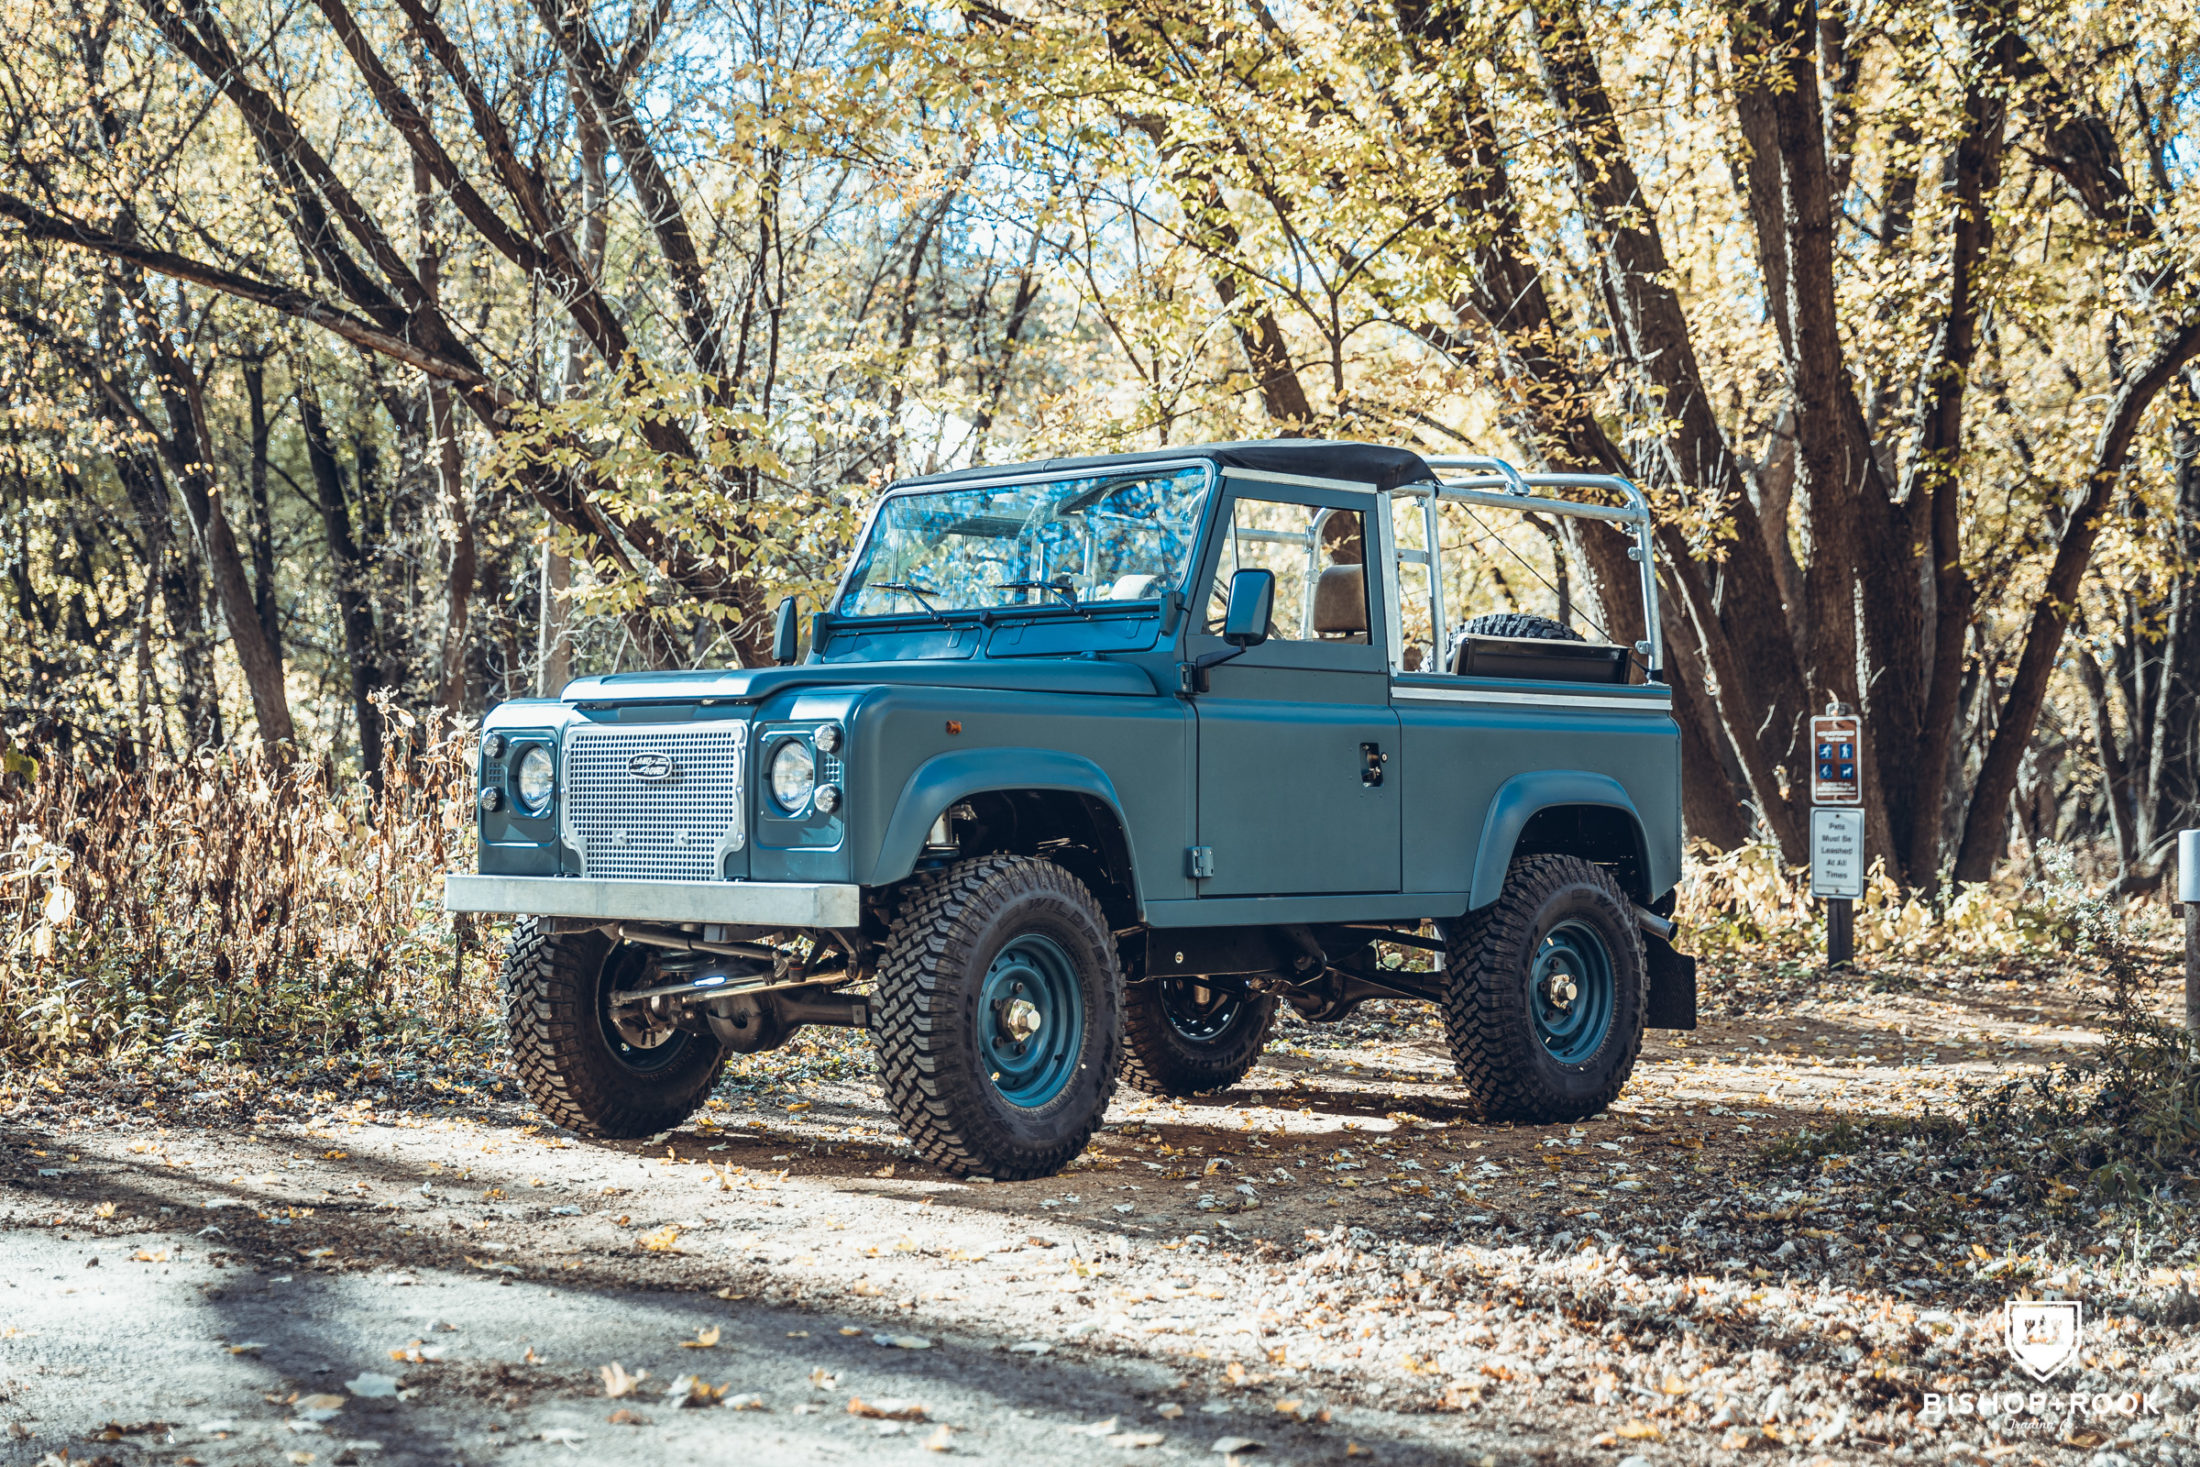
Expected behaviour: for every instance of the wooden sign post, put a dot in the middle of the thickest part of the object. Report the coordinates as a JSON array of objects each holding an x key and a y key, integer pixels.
[{"x": 1837, "y": 826}]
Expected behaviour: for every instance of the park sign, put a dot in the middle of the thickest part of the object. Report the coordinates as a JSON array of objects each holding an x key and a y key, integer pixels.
[
  {"x": 1835, "y": 777},
  {"x": 1837, "y": 854}
]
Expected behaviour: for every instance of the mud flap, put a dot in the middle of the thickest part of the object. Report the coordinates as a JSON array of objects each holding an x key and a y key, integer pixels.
[{"x": 1672, "y": 1002}]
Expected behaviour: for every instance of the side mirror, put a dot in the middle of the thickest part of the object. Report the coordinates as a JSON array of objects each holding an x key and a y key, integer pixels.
[
  {"x": 787, "y": 632},
  {"x": 1252, "y": 603}
]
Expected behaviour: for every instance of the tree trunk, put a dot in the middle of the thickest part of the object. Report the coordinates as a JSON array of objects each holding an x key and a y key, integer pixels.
[
  {"x": 348, "y": 570},
  {"x": 185, "y": 446},
  {"x": 254, "y": 369},
  {"x": 1986, "y": 825}
]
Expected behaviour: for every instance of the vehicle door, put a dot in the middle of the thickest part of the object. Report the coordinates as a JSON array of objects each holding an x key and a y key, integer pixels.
[{"x": 1297, "y": 791}]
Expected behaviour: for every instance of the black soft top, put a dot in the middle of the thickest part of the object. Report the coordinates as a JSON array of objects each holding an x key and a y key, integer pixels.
[{"x": 1357, "y": 463}]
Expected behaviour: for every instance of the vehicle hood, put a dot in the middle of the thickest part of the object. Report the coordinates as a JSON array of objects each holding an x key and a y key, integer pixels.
[{"x": 754, "y": 684}]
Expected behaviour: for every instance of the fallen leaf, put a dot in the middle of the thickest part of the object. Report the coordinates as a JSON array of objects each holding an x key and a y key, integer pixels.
[
  {"x": 1229, "y": 1446},
  {"x": 664, "y": 1240},
  {"x": 705, "y": 1339},
  {"x": 1136, "y": 1439},
  {"x": 1354, "y": 1449},
  {"x": 1030, "y": 1347},
  {"x": 1169, "y": 1411},
  {"x": 150, "y": 1255},
  {"x": 1638, "y": 1431},
  {"x": 727, "y": 1294},
  {"x": 693, "y": 1390},
  {"x": 889, "y": 1410},
  {"x": 745, "y": 1403},
  {"x": 902, "y": 1342},
  {"x": 563, "y": 1436},
  {"x": 372, "y": 1387},
  {"x": 617, "y": 1383},
  {"x": 624, "y": 1417},
  {"x": 252, "y": 1347},
  {"x": 104, "y": 1211},
  {"x": 937, "y": 1441}
]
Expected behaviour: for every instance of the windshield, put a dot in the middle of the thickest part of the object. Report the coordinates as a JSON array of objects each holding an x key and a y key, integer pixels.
[{"x": 1110, "y": 537}]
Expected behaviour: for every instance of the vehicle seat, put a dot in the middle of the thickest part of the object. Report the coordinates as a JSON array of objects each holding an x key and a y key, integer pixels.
[
  {"x": 1340, "y": 604},
  {"x": 1131, "y": 588}
]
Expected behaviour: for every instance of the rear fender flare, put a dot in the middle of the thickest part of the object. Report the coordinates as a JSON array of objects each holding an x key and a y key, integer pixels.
[{"x": 1519, "y": 799}]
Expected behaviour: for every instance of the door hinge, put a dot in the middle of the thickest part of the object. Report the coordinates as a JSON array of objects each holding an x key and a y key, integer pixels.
[
  {"x": 1199, "y": 861},
  {"x": 1372, "y": 760}
]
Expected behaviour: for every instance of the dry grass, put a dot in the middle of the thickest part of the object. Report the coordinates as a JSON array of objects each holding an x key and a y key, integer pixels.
[
  {"x": 229, "y": 904},
  {"x": 1746, "y": 901}
]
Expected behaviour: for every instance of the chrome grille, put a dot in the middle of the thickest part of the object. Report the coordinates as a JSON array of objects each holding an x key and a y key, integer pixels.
[{"x": 675, "y": 828}]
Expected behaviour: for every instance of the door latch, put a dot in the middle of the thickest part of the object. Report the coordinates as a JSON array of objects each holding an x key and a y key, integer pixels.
[{"x": 1373, "y": 759}]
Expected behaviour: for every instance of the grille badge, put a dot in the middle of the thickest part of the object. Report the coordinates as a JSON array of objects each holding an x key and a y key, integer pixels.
[{"x": 651, "y": 765}]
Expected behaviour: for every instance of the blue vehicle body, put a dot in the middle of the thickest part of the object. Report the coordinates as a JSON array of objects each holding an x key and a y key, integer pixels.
[{"x": 1303, "y": 781}]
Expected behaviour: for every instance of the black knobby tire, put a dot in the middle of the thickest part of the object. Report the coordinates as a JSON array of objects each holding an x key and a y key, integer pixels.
[
  {"x": 953, "y": 927},
  {"x": 1173, "y": 1045},
  {"x": 1505, "y": 1059},
  {"x": 1518, "y": 624},
  {"x": 575, "y": 1066}
]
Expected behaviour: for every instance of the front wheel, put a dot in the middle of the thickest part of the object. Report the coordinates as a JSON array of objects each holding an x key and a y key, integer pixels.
[
  {"x": 998, "y": 1017},
  {"x": 1544, "y": 993},
  {"x": 587, "y": 1068},
  {"x": 1182, "y": 1036}
]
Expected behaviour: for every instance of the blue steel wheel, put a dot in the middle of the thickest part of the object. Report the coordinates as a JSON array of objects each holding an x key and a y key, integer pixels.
[
  {"x": 999, "y": 1016},
  {"x": 1570, "y": 992},
  {"x": 1544, "y": 993},
  {"x": 572, "y": 1056},
  {"x": 1031, "y": 1020}
]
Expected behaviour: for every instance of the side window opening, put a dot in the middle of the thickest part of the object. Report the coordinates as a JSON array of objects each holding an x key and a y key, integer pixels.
[
  {"x": 1319, "y": 558},
  {"x": 1511, "y": 604}
]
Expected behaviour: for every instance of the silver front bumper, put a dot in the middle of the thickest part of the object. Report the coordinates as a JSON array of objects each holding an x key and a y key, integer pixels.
[{"x": 738, "y": 903}]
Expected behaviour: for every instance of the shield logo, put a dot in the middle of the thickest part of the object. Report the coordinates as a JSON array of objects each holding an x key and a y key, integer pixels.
[
  {"x": 2043, "y": 1336},
  {"x": 651, "y": 766}
]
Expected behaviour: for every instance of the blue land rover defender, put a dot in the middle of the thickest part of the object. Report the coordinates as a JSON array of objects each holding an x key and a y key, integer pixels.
[{"x": 1086, "y": 767}]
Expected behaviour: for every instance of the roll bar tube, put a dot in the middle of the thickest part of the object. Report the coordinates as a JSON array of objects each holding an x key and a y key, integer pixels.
[{"x": 1496, "y": 484}]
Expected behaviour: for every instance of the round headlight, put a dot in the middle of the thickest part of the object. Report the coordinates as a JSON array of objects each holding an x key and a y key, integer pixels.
[
  {"x": 828, "y": 798},
  {"x": 793, "y": 774},
  {"x": 538, "y": 776},
  {"x": 827, "y": 738}
]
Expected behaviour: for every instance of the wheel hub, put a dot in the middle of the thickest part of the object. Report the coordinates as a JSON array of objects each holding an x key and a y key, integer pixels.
[{"x": 1020, "y": 1019}]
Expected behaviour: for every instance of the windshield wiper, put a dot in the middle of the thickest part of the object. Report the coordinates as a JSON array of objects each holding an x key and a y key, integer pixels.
[
  {"x": 917, "y": 593},
  {"x": 1060, "y": 586}
]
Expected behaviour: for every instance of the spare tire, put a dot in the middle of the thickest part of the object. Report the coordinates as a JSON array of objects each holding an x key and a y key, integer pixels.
[{"x": 1508, "y": 624}]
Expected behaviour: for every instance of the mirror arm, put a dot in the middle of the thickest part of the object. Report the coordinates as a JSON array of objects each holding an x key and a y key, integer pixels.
[{"x": 1192, "y": 676}]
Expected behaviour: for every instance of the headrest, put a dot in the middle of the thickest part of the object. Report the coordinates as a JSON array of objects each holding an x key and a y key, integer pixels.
[{"x": 1340, "y": 600}]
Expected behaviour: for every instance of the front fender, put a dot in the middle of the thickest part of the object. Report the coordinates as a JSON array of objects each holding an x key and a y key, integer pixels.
[
  {"x": 1518, "y": 799},
  {"x": 945, "y": 778}
]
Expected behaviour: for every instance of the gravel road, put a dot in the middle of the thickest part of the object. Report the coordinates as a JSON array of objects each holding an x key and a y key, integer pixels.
[{"x": 391, "y": 1260}]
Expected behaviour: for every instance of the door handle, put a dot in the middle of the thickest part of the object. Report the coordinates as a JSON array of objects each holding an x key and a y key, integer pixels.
[{"x": 1372, "y": 760}]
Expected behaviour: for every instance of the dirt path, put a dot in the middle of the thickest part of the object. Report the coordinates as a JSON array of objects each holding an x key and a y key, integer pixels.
[{"x": 1330, "y": 1262}]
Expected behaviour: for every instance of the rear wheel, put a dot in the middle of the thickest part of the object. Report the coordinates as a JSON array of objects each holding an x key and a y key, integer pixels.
[
  {"x": 587, "y": 1069},
  {"x": 1544, "y": 993},
  {"x": 998, "y": 1017},
  {"x": 1182, "y": 1036}
]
